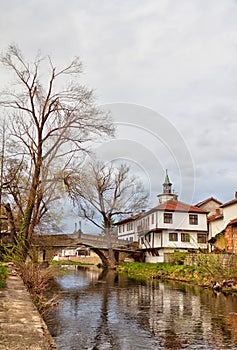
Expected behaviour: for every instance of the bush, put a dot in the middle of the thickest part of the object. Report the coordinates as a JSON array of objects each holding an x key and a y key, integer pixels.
[
  {"x": 3, "y": 276},
  {"x": 37, "y": 280},
  {"x": 177, "y": 258}
]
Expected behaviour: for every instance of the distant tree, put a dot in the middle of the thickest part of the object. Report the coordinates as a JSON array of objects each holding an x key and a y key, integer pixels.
[
  {"x": 51, "y": 122},
  {"x": 103, "y": 193}
]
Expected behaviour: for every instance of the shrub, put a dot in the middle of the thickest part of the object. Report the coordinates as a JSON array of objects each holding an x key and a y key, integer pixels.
[
  {"x": 3, "y": 276},
  {"x": 37, "y": 280}
]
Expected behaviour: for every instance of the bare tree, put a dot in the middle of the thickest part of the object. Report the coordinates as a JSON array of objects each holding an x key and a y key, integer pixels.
[
  {"x": 2, "y": 158},
  {"x": 104, "y": 193},
  {"x": 51, "y": 125}
]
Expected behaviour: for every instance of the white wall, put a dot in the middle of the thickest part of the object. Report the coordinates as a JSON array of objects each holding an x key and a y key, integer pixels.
[
  {"x": 178, "y": 244},
  {"x": 162, "y": 240},
  {"x": 215, "y": 227},
  {"x": 181, "y": 221},
  {"x": 229, "y": 213}
]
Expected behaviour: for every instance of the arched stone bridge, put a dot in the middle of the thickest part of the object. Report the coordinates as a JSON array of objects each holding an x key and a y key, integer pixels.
[{"x": 50, "y": 245}]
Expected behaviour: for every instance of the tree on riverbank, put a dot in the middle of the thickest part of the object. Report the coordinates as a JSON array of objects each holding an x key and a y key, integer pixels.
[
  {"x": 103, "y": 193},
  {"x": 51, "y": 119}
]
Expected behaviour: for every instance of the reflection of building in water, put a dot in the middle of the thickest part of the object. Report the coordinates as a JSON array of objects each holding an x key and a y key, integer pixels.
[{"x": 177, "y": 315}]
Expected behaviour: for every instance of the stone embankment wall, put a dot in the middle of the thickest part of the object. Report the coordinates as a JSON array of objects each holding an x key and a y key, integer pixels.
[
  {"x": 224, "y": 260},
  {"x": 21, "y": 326},
  {"x": 95, "y": 260}
]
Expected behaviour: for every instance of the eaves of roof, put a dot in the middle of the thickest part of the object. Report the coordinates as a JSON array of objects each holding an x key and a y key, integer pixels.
[
  {"x": 208, "y": 200},
  {"x": 233, "y": 201}
]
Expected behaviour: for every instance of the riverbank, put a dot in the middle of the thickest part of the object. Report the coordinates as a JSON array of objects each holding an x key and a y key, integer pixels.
[
  {"x": 21, "y": 326},
  {"x": 184, "y": 273}
]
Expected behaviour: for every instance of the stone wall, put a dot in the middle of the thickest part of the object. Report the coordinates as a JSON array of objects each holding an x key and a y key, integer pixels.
[
  {"x": 224, "y": 260},
  {"x": 231, "y": 239},
  {"x": 95, "y": 260}
]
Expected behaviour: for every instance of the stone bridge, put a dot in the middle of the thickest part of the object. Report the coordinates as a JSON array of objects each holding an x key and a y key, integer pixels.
[{"x": 51, "y": 245}]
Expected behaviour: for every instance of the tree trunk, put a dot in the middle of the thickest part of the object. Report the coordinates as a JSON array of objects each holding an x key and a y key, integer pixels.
[
  {"x": 11, "y": 222},
  {"x": 27, "y": 226},
  {"x": 112, "y": 260}
]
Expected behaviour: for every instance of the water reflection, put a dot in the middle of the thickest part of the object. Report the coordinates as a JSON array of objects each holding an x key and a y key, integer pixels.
[{"x": 108, "y": 311}]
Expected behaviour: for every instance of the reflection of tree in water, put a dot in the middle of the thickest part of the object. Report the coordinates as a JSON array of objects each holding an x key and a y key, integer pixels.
[{"x": 105, "y": 339}]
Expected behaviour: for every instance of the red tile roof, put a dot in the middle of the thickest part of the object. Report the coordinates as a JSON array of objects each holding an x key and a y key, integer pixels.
[
  {"x": 180, "y": 206},
  {"x": 215, "y": 217}
]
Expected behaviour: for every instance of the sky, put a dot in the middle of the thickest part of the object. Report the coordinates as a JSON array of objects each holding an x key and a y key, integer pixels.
[{"x": 167, "y": 72}]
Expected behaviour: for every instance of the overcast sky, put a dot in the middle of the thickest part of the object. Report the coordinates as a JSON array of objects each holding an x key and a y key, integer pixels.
[{"x": 167, "y": 71}]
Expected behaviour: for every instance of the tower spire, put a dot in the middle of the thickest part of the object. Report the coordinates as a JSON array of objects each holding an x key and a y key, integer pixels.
[
  {"x": 167, "y": 185},
  {"x": 167, "y": 191}
]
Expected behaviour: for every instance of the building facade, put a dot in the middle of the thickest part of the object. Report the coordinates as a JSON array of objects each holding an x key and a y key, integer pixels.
[
  {"x": 224, "y": 221},
  {"x": 171, "y": 225}
]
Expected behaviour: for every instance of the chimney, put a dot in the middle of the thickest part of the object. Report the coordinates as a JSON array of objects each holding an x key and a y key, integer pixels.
[{"x": 235, "y": 195}]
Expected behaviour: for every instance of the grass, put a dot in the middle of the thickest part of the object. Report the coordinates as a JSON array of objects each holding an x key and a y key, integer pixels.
[
  {"x": 3, "y": 276},
  {"x": 166, "y": 271}
]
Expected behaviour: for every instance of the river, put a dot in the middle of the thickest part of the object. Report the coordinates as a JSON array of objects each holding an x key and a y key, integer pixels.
[{"x": 102, "y": 311}]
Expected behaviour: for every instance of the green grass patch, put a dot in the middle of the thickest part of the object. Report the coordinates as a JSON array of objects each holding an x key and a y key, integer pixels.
[
  {"x": 161, "y": 271},
  {"x": 3, "y": 276}
]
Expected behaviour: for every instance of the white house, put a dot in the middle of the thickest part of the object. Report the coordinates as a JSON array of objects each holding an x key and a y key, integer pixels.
[{"x": 171, "y": 225}]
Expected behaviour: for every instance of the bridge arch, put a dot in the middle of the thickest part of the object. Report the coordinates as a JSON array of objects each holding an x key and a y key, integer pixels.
[{"x": 102, "y": 256}]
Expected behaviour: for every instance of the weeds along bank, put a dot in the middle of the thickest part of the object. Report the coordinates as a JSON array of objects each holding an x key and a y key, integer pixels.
[
  {"x": 3, "y": 275},
  {"x": 205, "y": 273}
]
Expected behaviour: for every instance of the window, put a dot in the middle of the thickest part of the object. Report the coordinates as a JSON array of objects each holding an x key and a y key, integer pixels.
[
  {"x": 201, "y": 238},
  {"x": 120, "y": 229},
  {"x": 173, "y": 236},
  {"x": 152, "y": 219},
  {"x": 193, "y": 219},
  {"x": 168, "y": 218},
  {"x": 185, "y": 237},
  {"x": 129, "y": 226}
]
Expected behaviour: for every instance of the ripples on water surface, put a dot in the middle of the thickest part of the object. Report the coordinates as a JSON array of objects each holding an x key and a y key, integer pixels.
[{"x": 102, "y": 311}]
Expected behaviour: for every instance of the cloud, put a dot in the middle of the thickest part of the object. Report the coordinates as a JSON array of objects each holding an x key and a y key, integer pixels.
[{"x": 177, "y": 58}]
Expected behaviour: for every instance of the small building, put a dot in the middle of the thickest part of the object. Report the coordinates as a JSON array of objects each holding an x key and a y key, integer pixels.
[
  {"x": 171, "y": 225},
  {"x": 76, "y": 251},
  {"x": 223, "y": 223},
  {"x": 210, "y": 205}
]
